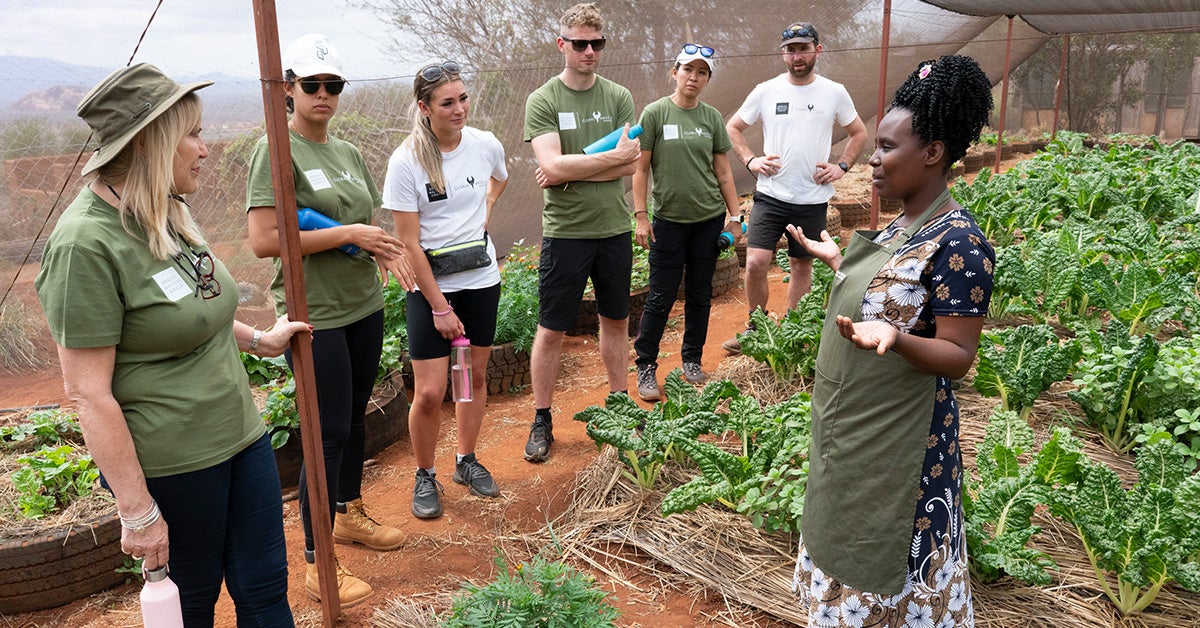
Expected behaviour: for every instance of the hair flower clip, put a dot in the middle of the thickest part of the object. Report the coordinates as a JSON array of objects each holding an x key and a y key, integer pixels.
[{"x": 925, "y": 70}]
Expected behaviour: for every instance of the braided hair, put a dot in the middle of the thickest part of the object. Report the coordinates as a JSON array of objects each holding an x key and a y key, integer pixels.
[{"x": 950, "y": 100}]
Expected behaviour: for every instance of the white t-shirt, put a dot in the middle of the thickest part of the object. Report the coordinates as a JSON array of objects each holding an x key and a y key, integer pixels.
[
  {"x": 461, "y": 214},
  {"x": 798, "y": 126}
]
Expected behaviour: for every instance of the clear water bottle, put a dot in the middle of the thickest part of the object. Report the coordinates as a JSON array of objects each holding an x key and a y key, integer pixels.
[
  {"x": 460, "y": 369},
  {"x": 160, "y": 601}
]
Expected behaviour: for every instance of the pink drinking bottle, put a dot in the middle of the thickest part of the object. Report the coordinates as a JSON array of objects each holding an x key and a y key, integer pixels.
[
  {"x": 160, "y": 601},
  {"x": 460, "y": 369}
]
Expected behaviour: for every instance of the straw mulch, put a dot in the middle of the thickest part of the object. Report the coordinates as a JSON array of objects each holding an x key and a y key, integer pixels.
[{"x": 720, "y": 549}]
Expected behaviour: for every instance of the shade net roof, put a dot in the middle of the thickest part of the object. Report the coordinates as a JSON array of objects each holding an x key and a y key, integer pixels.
[{"x": 1089, "y": 16}]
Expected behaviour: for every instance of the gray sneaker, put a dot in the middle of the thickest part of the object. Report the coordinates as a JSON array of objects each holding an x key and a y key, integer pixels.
[
  {"x": 541, "y": 435},
  {"x": 693, "y": 374},
  {"x": 733, "y": 345},
  {"x": 473, "y": 475},
  {"x": 426, "y": 501},
  {"x": 647, "y": 382}
]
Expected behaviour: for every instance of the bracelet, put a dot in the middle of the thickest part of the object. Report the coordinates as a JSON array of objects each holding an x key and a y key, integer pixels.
[
  {"x": 748, "y": 161},
  {"x": 254, "y": 340},
  {"x": 449, "y": 308},
  {"x": 137, "y": 524},
  {"x": 641, "y": 211}
]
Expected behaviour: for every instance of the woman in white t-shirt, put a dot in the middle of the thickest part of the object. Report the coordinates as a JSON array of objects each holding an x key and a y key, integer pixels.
[{"x": 441, "y": 184}]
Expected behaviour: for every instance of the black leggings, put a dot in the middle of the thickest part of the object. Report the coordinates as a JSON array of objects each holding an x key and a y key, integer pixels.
[{"x": 345, "y": 362}]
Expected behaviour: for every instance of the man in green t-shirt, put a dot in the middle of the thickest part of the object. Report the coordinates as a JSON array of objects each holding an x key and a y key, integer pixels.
[{"x": 585, "y": 221}]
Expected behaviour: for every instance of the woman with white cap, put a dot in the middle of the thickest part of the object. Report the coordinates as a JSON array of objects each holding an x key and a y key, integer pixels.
[
  {"x": 142, "y": 314},
  {"x": 344, "y": 293},
  {"x": 685, "y": 144}
]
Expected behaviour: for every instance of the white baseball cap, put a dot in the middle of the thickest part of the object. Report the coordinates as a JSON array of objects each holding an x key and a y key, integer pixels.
[
  {"x": 312, "y": 54},
  {"x": 696, "y": 52}
]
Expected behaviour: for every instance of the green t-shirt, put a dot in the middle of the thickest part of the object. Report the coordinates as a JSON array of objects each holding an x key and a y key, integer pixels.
[
  {"x": 581, "y": 209},
  {"x": 177, "y": 374},
  {"x": 333, "y": 179},
  {"x": 682, "y": 142}
]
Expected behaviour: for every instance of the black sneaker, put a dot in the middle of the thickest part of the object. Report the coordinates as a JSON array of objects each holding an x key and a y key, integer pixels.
[
  {"x": 427, "y": 502},
  {"x": 693, "y": 374},
  {"x": 540, "y": 437},
  {"x": 647, "y": 382},
  {"x": 473, "y": 475}
]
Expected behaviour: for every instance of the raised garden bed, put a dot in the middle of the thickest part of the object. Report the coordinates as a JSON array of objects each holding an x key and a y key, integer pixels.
[{"x": 60, "y": 566}]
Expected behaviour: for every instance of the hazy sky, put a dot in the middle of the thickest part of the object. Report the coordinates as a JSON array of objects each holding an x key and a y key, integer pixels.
[{"x": 190, "y": 37}]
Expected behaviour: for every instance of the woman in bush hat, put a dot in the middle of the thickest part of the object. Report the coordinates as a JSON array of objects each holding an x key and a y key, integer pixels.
[
  {"x": 882, "y": 537},
  {"x": 142, "y": 314},
  {"x": 685, "y": 144},
  {"x": 343, "y": 289}
]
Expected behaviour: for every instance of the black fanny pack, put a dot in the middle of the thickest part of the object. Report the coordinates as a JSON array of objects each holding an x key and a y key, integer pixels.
[{"x": 460, "y": 257}]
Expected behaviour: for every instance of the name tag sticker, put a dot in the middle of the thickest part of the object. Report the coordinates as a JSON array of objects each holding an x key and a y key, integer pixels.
[
  {"x": 781, "y": 109},
  {"x": 317, "y": 179},
  {"x": 839, "y": 275},
  {"x": 670, "y": 131},
  {"x": 433, "y": 195},
  {"x": 566, "y": 121},
  {"x": 172, "y": 285}
]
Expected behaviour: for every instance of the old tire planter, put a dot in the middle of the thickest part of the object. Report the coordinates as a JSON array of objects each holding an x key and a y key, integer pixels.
[
  {"x": 387, "y": 422},
  {"x": 55, "y": 568},
  {"x": 588, "y": 322}
]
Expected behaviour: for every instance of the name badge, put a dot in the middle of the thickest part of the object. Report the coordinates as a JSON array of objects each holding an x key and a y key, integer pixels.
[
  {"x": 172, "y": 285},
  {"x": 670, "y": 131},
  {"x": 781, "y": 109},
  {"x": 433, "y": 195},
  {"x": 317, "y": 179},
  {"x": 566, "y": 121},
  {"x": 839, "y": 276}
]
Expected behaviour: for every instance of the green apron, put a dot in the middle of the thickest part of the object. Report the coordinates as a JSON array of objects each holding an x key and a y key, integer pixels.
[{"x": 870, "y": 423}]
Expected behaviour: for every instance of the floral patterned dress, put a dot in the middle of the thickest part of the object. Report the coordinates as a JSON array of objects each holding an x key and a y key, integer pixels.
[{"x": 945, "y": 270}]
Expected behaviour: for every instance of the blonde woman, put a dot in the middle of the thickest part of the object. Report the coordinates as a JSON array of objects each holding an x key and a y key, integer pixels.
[{"x": 442, "y": 184}]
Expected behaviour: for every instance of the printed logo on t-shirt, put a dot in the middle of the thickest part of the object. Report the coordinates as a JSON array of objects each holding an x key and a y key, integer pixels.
[
  {"x": 471, "y": 181},
  {"x": 348, "y": 177},
  {"x": 433, "y": 195},
  {"x": 566, "y": 121},
  {"x": 598, "y": 117},
  {"x": 781, "y": 109},
  {"x": 466, "y": 183},
  {"x": 699, "y": 132}
]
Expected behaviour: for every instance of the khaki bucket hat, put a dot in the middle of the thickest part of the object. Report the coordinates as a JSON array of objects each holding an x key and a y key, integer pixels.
[{"x": 124, "y": 103}]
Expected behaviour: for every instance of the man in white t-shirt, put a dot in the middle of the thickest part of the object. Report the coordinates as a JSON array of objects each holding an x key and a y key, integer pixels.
[{"x": 795, "y": 177}]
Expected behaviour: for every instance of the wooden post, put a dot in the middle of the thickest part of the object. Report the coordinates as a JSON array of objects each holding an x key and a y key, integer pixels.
[
  {"x": 881, "y": 101},
  {"x": 1058, "y": 87},
  {"x": 280, "y": 149},
  {"x": 1003, "y": 97}
]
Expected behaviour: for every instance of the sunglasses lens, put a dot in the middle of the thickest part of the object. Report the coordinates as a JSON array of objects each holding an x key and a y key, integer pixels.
[
  {"x": 335, "y": 86},
  {"x": 689, "y": 49},
  {"x": 451, "y": 67},
  {"x": 706, "y": 52},
  {"x": 598, "y": 44},
  {"x": 309, "y": 86}
]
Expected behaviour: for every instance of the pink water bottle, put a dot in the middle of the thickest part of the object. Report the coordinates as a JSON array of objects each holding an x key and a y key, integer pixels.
[
  {"x": 160, "y": 601},
  {"x": 460, "y": 369}
]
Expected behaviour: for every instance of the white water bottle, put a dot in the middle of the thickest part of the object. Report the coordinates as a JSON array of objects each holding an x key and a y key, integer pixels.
[
  {"x": 160, "y": 601},
  {"x": 460, "y": 369}
]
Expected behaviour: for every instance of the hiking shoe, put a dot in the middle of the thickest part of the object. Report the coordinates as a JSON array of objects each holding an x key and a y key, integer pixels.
[
  {"x": 473, "y": 475},
  {"x": 540, "y": 437},
  {"x": 427, "y": 502},
  {"x": 356, "y": 526},
  {"x": 351, "y": 590},
  {"x": 693, "y": 374},
  {"x": 647, "y": 382},
  {"x": 733, "y": 345}
]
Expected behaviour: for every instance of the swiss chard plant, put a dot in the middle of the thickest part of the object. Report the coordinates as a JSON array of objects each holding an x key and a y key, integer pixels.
[
  {"x": 1019, "y": 363},
  {"x": 1109, "y": 381},
  {"x": 1140, "y": 539},
  {"x": 999, "y": 504},
  {"x": 788, "y": 347}
]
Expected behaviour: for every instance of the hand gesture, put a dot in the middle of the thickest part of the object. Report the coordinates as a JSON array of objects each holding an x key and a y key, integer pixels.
[
  {"x": 765, "y": 165},
  {"x": 399, "y": 267},
  {"x": 826, "y": 250},
  {"x": 828, "y": 173},
  {"x": 877, "y": 335}
]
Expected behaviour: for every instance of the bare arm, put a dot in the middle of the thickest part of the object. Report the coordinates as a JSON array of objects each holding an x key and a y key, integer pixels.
[
  {"x": 642, "y": 233},
  {"x": 273, "y": 341},
  {"x": 765, "y": 165},
  {"x": 724, "y": 173},
  {"x": 408, "y": 229},
  {"x": 949, "y": 353},
  {"x": 830, "y": 172},
  {"x": 494, "y": 190},
  {"x": 87, "y": 378},
  {"x": 555, "y": 168},
  {"x": 264, "y": 236}
]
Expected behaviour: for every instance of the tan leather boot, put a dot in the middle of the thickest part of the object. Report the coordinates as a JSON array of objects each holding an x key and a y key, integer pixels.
[
  {"x": 351, "y": 590},
  {"x": 356, "y": 526}
]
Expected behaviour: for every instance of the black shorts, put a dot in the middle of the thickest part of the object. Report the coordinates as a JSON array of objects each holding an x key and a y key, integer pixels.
[
  {"x": 770, "y": 217},
  {"x": 476, "y": 309},
  {"x": 565, "y": 266}
]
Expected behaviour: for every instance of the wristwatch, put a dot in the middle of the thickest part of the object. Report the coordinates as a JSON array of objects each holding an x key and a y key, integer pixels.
[
  {"x": 844, "y": 166},
  {"x": 738, "y": 218}
]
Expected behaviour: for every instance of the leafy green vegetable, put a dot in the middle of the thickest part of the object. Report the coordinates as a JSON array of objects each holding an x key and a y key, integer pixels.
[
  {"x": 280, "y": 413},
  {"x": 516, "y": 317},
  {"x": 788, "y": 347},
  {"x": 1020, "y": 363},
  {"x": 1109, "y": 382},
  {"x": 1141, "y": 539},
  {"x": 999, "y": 506},
  {"x": 264, "y": 370},
  {"x": 51, "y": 477},
  {"x": 45, "y": 427}
]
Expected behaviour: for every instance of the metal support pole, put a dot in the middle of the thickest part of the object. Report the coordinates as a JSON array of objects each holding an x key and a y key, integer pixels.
[
  {"x": 1058, "y": 87},
  {"x": 1003, "y": 97},
  {"x": 882, "y": 100}
]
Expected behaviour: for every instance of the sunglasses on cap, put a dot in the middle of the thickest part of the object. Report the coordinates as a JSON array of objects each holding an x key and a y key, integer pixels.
[
  {"x": 333, "y": 87},
  {"x": 580, "y": 45},
  {"x": 805, "y": 30},
  {"x": 691, "y": 49},
  {"x": 436, "y": 71}
]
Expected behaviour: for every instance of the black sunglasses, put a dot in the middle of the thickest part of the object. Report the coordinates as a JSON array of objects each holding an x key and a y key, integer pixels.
[
  {"x": 435, "y": 72},
  {"x": 200, "y": 268},
  {"x": 581, "y": 45},
  {"x": 691, "y": 49},
  {"x": 801, "y": 31},
  {"x": 333, "y": 87}
]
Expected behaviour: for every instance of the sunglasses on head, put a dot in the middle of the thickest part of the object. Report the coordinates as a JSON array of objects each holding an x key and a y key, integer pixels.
[
  {"x": 580, "y": 45},
  {"x": 436, "y": 71},
  {"x": 691, "y": 49},
  {"x": 333, "y": 87},
  {"x": 800, "y": 31}
]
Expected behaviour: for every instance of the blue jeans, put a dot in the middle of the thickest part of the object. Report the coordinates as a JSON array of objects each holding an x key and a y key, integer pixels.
[
  {"x": 225, "y": 523},
  {"x": 678, "y": 246}
]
